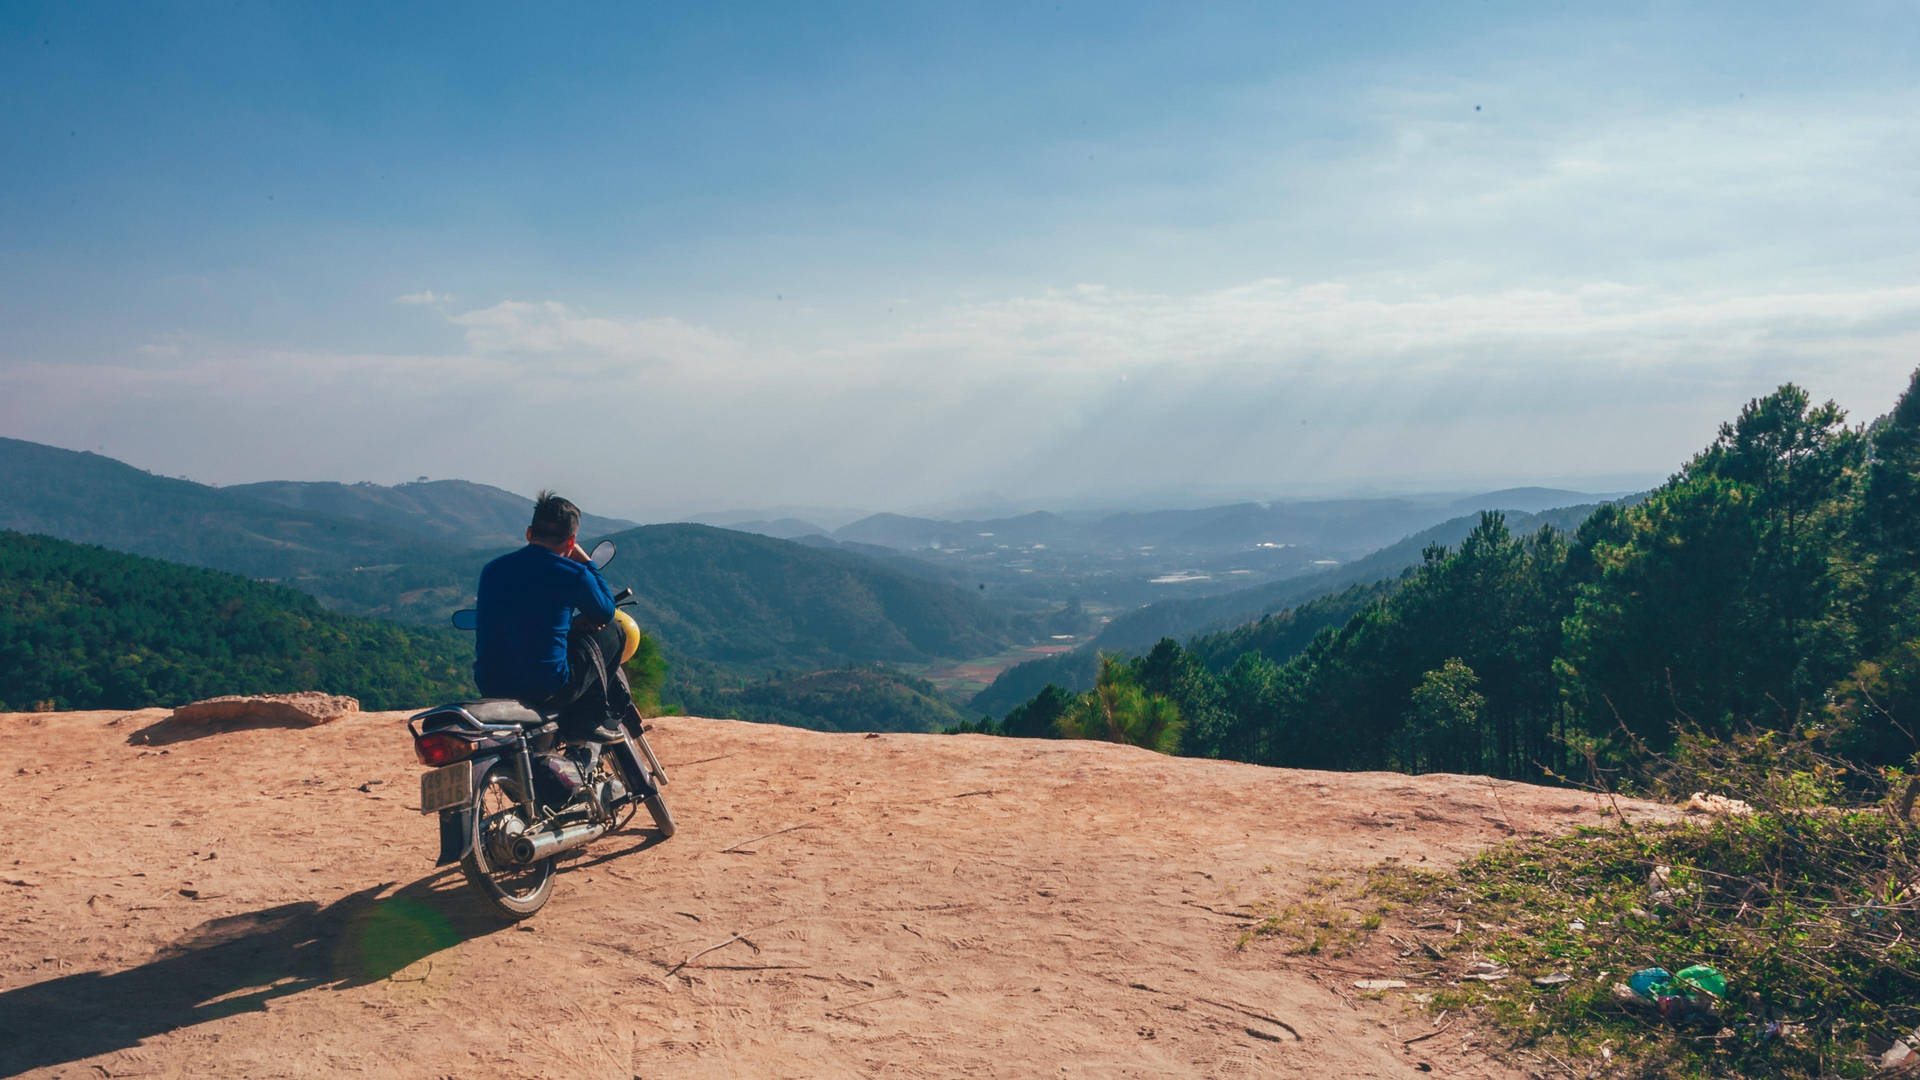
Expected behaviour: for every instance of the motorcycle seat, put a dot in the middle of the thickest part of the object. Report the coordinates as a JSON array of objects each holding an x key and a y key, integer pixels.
[{"x": 500, "y": 711}]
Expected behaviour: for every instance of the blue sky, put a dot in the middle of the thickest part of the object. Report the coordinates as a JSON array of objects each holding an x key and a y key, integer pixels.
[{"x": 892, "y": 255}]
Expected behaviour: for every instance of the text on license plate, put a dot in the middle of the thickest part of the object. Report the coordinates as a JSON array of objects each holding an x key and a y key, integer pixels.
[{"x": 445, "y": 787}]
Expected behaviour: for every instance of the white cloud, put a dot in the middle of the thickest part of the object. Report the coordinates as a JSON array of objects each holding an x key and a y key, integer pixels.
[
  {"x": 427, "y": 297},
  {"x": 552, "y": 328},
  {"x": 1387, "y": 324},
  {"x": 1268, "y": 386}
]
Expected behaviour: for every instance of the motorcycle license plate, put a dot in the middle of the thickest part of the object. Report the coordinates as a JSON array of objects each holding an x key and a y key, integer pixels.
[{"x": 446, "y": 787}]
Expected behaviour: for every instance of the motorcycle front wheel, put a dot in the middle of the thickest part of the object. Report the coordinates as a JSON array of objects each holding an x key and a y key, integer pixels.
[
  {"x": 662, "y": 817},
  {"x": 656, "y": 802},
  {"x": 514, "y": 891}
]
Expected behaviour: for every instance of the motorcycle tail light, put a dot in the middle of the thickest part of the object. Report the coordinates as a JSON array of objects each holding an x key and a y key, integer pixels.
[{"x": 441, "y": 749}]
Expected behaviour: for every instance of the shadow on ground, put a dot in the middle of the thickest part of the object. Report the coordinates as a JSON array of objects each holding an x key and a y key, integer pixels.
[
  {"x": 237, "y": 964},
  {"x": 651, "y": 839},
  {"x": 167, "y": 731}
]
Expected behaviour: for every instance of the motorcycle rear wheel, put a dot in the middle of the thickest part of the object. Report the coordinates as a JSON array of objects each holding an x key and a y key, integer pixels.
[{"x": 514, "y": 892}]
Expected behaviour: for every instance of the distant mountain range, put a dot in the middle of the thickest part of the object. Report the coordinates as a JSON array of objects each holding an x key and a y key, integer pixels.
[
  {"x": 93, "y": 499},
  {"x": 1345, "y": 525},
  {"x": 760, "y": 603},
  {"x": 409, "y": 553},
  {"x": 780, "y": 528},
  {"x": 731, "y": 606},
  {"x": 452, "y": 511}
]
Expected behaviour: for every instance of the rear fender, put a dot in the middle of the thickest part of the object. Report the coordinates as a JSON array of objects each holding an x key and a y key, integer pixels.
[
  {"x": 457, "y": 825},
  {"x": 456, "y": 835}
]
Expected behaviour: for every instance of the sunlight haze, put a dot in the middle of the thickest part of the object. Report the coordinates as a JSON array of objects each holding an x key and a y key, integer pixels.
[{"x": 680, "y": 260}]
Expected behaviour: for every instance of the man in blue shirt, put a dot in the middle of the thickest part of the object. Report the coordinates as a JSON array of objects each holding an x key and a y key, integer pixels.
[{"x": 530, "y": 645}]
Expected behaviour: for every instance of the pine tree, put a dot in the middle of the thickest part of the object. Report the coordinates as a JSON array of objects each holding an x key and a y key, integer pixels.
[{"x": 1118, "y": 710}]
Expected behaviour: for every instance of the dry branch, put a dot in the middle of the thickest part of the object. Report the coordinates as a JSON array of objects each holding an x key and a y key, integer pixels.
[
  {"x": 1244, "y": 1011},
  {"x": 675, "y": 969},
  {"x": 735, "y": 848},
  {"x": 1229, "y": 914},
  {"x": 1428, "y": 1035},
  {"x": 750, "y": 967}
]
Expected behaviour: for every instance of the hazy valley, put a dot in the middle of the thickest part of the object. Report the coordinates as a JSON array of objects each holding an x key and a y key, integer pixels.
[{"x": 886, "y": 600}]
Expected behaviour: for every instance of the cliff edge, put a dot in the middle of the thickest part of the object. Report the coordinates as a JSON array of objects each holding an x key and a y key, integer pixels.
[{"x": 262, "y": 902}]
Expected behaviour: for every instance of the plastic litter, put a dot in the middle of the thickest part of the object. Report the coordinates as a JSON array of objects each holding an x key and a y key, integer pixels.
[
  {"x": 1677, "y": 1010},
  {"x": 1718, "y": 805},
  {"x": 1651, "y": 982},
  {"x": 1662, "y": 891},
  {"x": 1693, "y": 995},
  {"x": 1628, "y": 998},
  {"x": 1701, "y": 979}
]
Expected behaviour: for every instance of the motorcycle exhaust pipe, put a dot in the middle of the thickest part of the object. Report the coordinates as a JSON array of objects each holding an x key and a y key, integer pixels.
[{"x": 533, "y": 847}]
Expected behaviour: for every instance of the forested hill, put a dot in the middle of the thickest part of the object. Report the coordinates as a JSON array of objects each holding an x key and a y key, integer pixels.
[
  {"x": 1276, "y": 636},
  {"x": 370, "y": 550},
  {"x": 1137, "y": 630},
  {"x": 365, "y": 567},
  {"x": 82, "y": 627},
  {"x": 1773, "y": 583},
  {"x": 757, "y": 603},
  {"x": 752, "y": 603},
  {"x": 447, "y": 511},
  {"x": 1183, "y": 618},
  {"x": 838, "y": 699},
  {"x": 1279, "y": 636}
]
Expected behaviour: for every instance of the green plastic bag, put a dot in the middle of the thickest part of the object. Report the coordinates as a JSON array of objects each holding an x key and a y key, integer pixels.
[{"x": 1702, "y": 978}]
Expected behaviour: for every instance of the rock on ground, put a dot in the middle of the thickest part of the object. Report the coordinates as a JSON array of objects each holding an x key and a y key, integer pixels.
[{"x": 307, "y": 707}]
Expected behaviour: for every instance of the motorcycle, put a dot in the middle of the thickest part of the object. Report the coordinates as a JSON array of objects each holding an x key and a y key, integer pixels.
[{"x": 513, "y": 795}]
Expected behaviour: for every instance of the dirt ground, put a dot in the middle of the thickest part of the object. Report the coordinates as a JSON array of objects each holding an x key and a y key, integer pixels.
[{"x": 262, "y": 903}]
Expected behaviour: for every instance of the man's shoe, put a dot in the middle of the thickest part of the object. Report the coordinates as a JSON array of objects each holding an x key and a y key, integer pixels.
[{"x": 610, "y": 731}]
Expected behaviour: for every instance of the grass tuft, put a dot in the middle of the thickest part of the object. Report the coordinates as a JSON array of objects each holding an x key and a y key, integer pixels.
[{"x": 1812, "y": 918}]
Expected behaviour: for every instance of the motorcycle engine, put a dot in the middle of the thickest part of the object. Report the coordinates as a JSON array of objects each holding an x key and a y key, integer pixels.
[
  {"x": 559, "y": 778},
  {"x": 611, "y": 790}
]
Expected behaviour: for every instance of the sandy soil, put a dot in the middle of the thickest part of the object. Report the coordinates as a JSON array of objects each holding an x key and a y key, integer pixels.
[{"x": 261, "y": 903}]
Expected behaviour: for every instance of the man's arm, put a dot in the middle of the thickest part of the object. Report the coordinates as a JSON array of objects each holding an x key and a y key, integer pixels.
[{"x": 596, "y": 600}]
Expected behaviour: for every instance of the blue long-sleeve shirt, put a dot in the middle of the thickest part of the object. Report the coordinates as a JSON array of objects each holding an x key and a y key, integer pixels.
[{"x": 526, "y": 604}]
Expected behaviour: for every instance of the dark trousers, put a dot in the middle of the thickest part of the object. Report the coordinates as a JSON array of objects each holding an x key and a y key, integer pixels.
[{"x": 596, "y": 691}]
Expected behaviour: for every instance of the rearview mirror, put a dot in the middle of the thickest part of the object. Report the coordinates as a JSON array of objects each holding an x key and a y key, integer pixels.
[
  {"x": 602, "y": 554},
  {"x": 466, "y": 619}
]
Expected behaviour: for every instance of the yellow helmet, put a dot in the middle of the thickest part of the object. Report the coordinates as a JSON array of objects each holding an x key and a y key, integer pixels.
[{"x": 630, "y": 630}]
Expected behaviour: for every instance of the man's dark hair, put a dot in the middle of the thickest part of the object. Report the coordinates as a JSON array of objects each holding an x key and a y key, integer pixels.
[{"x": 554, "y": 518}]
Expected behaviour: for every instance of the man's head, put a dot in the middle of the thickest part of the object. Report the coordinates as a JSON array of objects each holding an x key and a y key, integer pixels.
[{"x": 555, "y": 522}]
